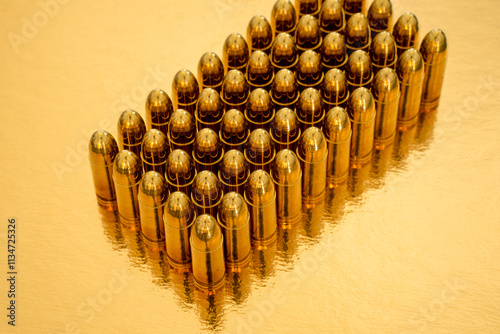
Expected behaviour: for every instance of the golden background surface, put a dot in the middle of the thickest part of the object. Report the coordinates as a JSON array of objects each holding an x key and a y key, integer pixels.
[{"x": 411, "y": 246}]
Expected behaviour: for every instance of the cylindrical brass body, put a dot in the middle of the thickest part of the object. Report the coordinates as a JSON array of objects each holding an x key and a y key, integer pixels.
[
  {"x": 154, "y": 151},
  {"x": 410, "y": 70},
  {"x": 234, "y": 130},
  {"x": 210, "y": 71},
  {"x": 102, "y": 152},
  {"x": 185, "y": 91},
  {"x": 235, "y": 90},
  {"x": 337, "y": 130},
  {"x": 305, "y": 7},
  {"x": 181, "y": 131},
  {"x": 260, "y": 71},
  {"x": 283, "y": 17},
  {"x": 358, "y": 35},
  {"x": 260, "y": 196},
  {"x": 127, "y": 173},
  {"x": 380, "y": 16},
  {"x": 352, "y": 7},
  {"x": 331, "y": 17},
  {"x": 285, "y": 130},
  {"x": 333, "y": 52},
  {"x": 312, "y": 153},
  {"x": 310, "y": 110},
  {"x": 209, "y": 110},
  {"x": 259, "y": 112},
  {"x": 434, "y": 50},
  {"x": 284, "y": 52},
  {"x": 383, "y": 52},
  {"x": 361, "y": 109},
  {"x": 359, "y": 70},
  {"x": 385, "y": 91},
  {"x": 153, "y": 193},
  {"x": 159, "y": 108},
  {"x": 260, "y": 151},
  {"x": 285, "y": 92},
  {"x": 235, "y": 52},
  {"x": 406, "y": 32},
  {"x": 259, "y": 34},
  {"x": 307, "y": 35},
  {"x": 309, "y": 70},
  {"x": 287, "y": 177},
  {"x": 335, "y": 90},
  {"x": 234, "y": 218},
  {"x": 180, "y": 172},
  {"x": 131, "y": 130},
  {"x": 178, "y": 218},
  {"x": 207, "y": 151},
  {"x": 206, "y": 193},
  {"x": 234, "y": 172},
  {"x": 207, "y": 252}
]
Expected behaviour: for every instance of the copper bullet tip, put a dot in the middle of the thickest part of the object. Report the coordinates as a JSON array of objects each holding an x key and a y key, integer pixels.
[
  {"x": 357, "y": 32},
  {"x": 309, "y": 69},
  {"x": 181, "y": 129},
  {"x": 260, "y": 71},
  {"x": 333, "y": 50},
  {"x": 331, "y": 17},
  {"x": 154, "y": 147},
  {"x": 361, "y": 107},
  {"x": 310, "y": 110},
  {"x": 285, "y": 129},
  {"x": 131, "y": 130},
  {"x": 334, "y": 88},
  {"x": 102, "y": 148},
  {"x": 359, "y": 69},
  {"x": 406, "y": 31},
  {"x": 260, "y": 188},
  {"x": 209, "y": 110},
  {"x": 233, "y": 211},
  {"x": 235, "y": 52},
  {"x": 153, "y": 189},
  {"x": 185, "y": 88},
  {"x": 383, "y": 50},
  {"x": 410, "y": 67},
  {"x": 286, "y": 168},
  {"x": 159, "y": 108},
  {"x": 210, "y": 70},
  {"x": 260, "y": 108},
  {"x": 179, "y": 211},
  {"x": 385, "y": 86},
  {"x": 260, "y": 149},
  {"x": 235, "y": 89},
  {"x": 234, "y": 123},
  {"x": 380, "y": 15},
  {"x": 312, "y": 145},
  {"x": 234, "y": 171},
  {"x": 206, "y": 234},
  {"x": 206, "y": 192},
  {"x": 259, "y": 33},
  {"x": 337, "y": 125},
  {"x": 207, "y": 150},
  {"x": 180, "y": 170},
  {"x": 283, "y": 17},
  {"x": 434, "y": 47},
  {"x": 307, "y": 34},
  {"x": 284, "y": 53},
  {"x": 285, "y": 88}
]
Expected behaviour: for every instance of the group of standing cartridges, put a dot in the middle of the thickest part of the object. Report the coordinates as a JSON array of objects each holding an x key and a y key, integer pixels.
[{"x": 266, "y": 129}]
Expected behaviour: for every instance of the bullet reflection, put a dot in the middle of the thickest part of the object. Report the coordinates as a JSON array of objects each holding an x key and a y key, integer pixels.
[
  {"x": 238, "y": 284},
  {"x": 403, "y": 143},
  {"x": 357, "y": 182},
  {"x": 335, "y": 202},
  {"x": 381, "y": 160},
  {"x": 112, "y": 227},
  {"x": 287, "y": 242},
  {"x": 262, "y": 262},
  {"x": 312, "y": 222},
  {"x": 210, "y": 304},
  {"x": 425, "y": 127}
]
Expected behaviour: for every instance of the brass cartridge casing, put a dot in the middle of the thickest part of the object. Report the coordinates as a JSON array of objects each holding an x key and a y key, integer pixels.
[
  {"x": 259, "y": 34},
  {"x": 337, "y": 130},
  {"x": 206, "y": 193},
  {"x": 335, "y": 90},
  {"x": 127, "y": 173},
  {"x": 333, "y": 51},
  {"x": 209, "y": 110},
  {"x": 385, "y": 91},
  {"x": 410, "y": 70},
  {"x": 235, "y": 52},
  {"x": 233, "y": 172},
  {"x": 234, "y": 218},
  {"x": 210, "y": 71},
  {"x": 284, "y": 52},
  {"x": 309, "y": 70},
  {"x": 154, "y": 151},
  {"x": 307, "y": 35},
  {"x": 406, "y": 32},
  {"x": 153, "y": 193},
  {"x": 102, "y": 152},
  {"x": 434, "y": 50},
  {"x": 359, "y": 70},
  {"x": 180, "y": 172},
  {"x": 358, "y": 35},
  {"x": 380, "y": 16},
  {"x": 283, "y": 17},
  {"x": 235, "y": 90},
  {"x": 285, "y": 91},
  {"x": 331, "y": 17},
  {"x": 185, "y": 91},
  {"x": 131, "y": 130},
  {"x": 207, "y": 252},
  {"x": 305, "y": 7},
  {"x": 181, "y": 131},
  {"x": 361, "y": 109},
  {"x": 287, "y": 178},
  {"x": 285, "y": 129},
  {"x": 207, "y": 151},
  {"x": 310, "y": 111},
  {"x": 312, "y": 152},
  {"x": 260, "y": 151},
  {"x": 383, "y": 52},
  {"x": 259, "y": 112},
  {"x": 352, "y": 7},
  {"x": 234, "y": 130},
  {"x": 260, "y": 196},
  {"x": 159, "y": 108},
  {"x": 179, "y": 216},
  {"x": 260, "y": 71}
]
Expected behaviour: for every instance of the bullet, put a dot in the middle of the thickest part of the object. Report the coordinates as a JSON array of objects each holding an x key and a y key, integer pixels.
[
  {"x": 359, "y": 70},
  {"x": 153, "y": 193},
  {"x": 434, "y": 50},
  {"x": 185, "y": 91},
  {"x": 209, "y": 110},
  {"x": 206, "y": 193},
  {"x": 309, "y": 70},
  {"x": 210, "y": 71},
  {"x": 207, "y": 151},
  {"x": 154, "y": 151},
  {"x": 310, "y": 110},
  {"x": 285, "y": 91},
  {"x": 335, "y": 92},
  {"x": 337, "y": 130},
  {"x": 410, "y": 70},
  {"x": 234, "y": 218},
  {"x": 178, "y": 218},
  {"x": 283, "y": 17},
  {"x": 181, "y": 131},
  {"x": 331, "y": 17},
  {"x": 312, "y": 152},
  {"x": 235, "y": 52},
  {"x": 234, "y": 130},
  {"x": 259, "y": 34},
  {"x": 102, "y": 151},
  {"x": 287, "y": 178},
  {"x": 260, "y": 71},
  {"x": 131, "y": 130},
  {"x": 207, "y": 253},
  {"x": 361, "y": 109},
  {"x": 285, "y": 130},
  {"x": 235, "y": 90},
  {"x": 352, "y": 7},
  {"x": 260, "y": 152},
  {"x": 260, "y": 196},
  {"x": 180, "y": 172},
  {"x": 385, "y": 90},
  {"x": 383, "y": 52},
  {"x": 233, "y": 172},
  {"x": 307, "y": 35},
  {"x": 380, "y": 16},
  {"x": 159, "y": 108},
  {"x": 259, "y": 112},
  {"x": 406, "y": 32},
  {"x": 357, "y": 34},
  {"x": 127, "y": 173},
  {"x": 284, "y": 52},
  {"x": 308, "y": 7},
  {"x": 333, "y": 52}
]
